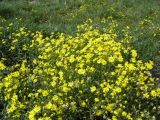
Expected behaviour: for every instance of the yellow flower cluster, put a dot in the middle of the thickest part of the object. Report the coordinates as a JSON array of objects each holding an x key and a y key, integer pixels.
[{"x": 83, "y": 76}]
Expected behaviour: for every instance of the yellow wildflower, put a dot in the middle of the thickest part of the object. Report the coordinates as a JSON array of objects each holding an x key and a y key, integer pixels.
[
  {"x": 81, "y": 71},
  {"x": 93, "y": 89}
]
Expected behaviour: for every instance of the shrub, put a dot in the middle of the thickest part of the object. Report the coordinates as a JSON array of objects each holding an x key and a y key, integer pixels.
[{"x": 87, "y": 76}]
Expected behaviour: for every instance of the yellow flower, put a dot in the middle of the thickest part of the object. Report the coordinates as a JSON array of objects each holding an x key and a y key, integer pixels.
[
  {"x": 100, "y": 48},
  {"x": 88, "y": 56},
  {"x": 96, "y": 100},
  {"x": 49, "y": 105},
  {"x": 124, "y": 113},
  {"x": 70, "y": 84},
  {"x": 111, "y": 59},
  {"x": 65, "y": 89},
  {"x": 131, "y": 67},
  {"x": 134, "y": 53},
  {"x": 149, "y": 65},
  {"x": 146, "y": 95},
  {"x": 81, "y": 71},
  {"x": 98, "y": 112},
  {"x": 33, "y": 112},
  {"x": 110, "y": 107},
  {"x": 11, "y": 109},
  {"x": 53, "y": 83},
  {"x": 102, "y": 61},
  {"x": 59, "y": 63},
  {"x": 72, "y": 59},
  {"x": 83, "y": 104},
  {"x": 153, "y": 93},
  {"x": 114, "y": 118},
  {"x": 45, "y": 93},
  {"x": 120, "y": 59},
  {"x": 55, "y": 98},
  {"x": 93, "y": 89},
  {"x": 37, "y": 108},
  {"x": 105, "y": 89}
]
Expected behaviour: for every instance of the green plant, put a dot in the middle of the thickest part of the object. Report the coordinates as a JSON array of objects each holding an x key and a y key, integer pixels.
[{"x": 87, "y": 76}]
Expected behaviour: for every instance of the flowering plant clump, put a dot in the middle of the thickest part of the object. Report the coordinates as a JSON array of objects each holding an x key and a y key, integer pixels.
[{"x": 87, "y": 76}]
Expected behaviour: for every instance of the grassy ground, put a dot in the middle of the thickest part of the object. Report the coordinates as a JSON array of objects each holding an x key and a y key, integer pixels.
[{"x": 64, "y": 15}]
